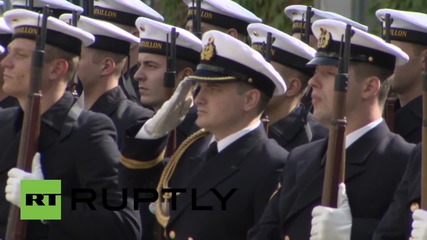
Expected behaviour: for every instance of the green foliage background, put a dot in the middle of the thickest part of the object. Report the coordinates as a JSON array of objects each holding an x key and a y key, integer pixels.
[{"x": 271, "y": 11}]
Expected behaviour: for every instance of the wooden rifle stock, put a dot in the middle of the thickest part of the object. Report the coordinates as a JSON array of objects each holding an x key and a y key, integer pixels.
[
  {"x": 424, "y": 142},
  {"x": 335, "y": 156},
  {"x": 16, "y": 228}
]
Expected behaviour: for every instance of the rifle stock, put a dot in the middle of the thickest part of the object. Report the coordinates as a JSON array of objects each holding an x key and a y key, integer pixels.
[
  {"x": 16, "y": 228},
  {"x": 424, "y": 142},
  {"x": 335, "y": 156}
]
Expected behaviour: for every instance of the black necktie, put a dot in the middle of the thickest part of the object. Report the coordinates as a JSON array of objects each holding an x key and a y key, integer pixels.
[{"x": 212, "y": 150}]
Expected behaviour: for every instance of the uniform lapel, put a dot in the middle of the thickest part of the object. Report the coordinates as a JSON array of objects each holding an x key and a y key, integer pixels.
[
  {"x": 309, "y": 188},
  {"x": 218, "y": 169},
  {"x": 359, "y": 151}
]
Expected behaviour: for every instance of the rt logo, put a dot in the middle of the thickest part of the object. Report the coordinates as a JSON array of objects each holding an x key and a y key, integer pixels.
[{"x": 40, "y": 200}]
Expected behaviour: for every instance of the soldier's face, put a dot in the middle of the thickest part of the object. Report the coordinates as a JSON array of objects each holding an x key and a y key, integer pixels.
[
  {"x": 323, "y": 92},
  {"x": 219, "y": 107},
  {"x": 408, "y": 76},
  {"x": 204, "y": 27},
  {"x": 17, "y": 67},
  {"x": 322, "y": 83},
  {"x": 89, "y": 70},
  {"x": 150, "y": 76}
]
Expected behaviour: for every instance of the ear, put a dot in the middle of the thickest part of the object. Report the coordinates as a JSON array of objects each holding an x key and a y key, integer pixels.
[
  {"x": 233, "y": 32},
  {"x": 423, "y": 55},
  {"x": 293, "y": 87},
  {"x": 108, "y": 66},
  {"x": 182, "y": 74},
  {"x": 252, "y": 98},
  {"x": 57, "y": 69},
  {"x": 371, "y": 87}
]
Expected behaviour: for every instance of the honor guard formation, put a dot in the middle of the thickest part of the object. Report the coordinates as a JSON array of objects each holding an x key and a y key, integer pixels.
[{"x": 224, "y": 128}]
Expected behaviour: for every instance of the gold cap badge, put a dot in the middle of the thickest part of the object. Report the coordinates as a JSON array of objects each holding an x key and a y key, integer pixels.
[
  {"x": 324, "y": 38},
  {"x": 208, "y": 51}
]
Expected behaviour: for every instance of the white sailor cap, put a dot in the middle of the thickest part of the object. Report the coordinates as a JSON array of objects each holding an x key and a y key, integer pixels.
[
  {"x": 365, "y": 47},
  {"x": 285, "y": 49},
  {"x": 24, "y": 24},
  {"x": 5, "y": 33},
  {"x": 297, "y": 14},
  {"x": 226, "y": 59},
  {"x": 153, "y": 40},
  {"x": 223, "y": 13},
  {"x": 108, "y": 37},
  {"x": 124, "y": 11},
  {"x": 405, "y": 26},
  {"x": 57, "y": 7}
]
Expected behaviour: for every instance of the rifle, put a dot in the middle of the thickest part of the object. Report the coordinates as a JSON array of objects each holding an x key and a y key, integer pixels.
[
  {"x": 306, "y": 98},
  {"x": 28, "y": 145},
  {"x": 169, "y": 84},
  {"x": 73, "y": 88},
  {"x": 88, "y": 8},
  {"x": 424, "y": 141},
  {"x": 169, "y": 81},
  {"x": 267, "y": 57},
  {"x": 391, "y": 100},
  {"x": 335, "y": 155},
  {"x": 197, "y": 19}
]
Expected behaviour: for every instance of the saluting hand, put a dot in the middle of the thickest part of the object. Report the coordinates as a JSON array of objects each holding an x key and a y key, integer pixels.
[
  {"x": 15, "y": 175},
  {"x": 171, "y": 114},
  {"x": 332, "y": 223},
  {"x": 419, "y": 225}
]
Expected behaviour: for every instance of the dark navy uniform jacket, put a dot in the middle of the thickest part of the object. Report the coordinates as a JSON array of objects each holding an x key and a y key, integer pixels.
[
  {"x": 408, "y": 120},
  {"x": 289, "y": 132},
  {"x": 122, "y": 111},
  {"x": 251, "y": 165},
  {"x": 9, "y": 102},
  {"x": 374, "y": 165},
  {"x": 81, "y": 153},
  {"x": 397, "y": 222}
]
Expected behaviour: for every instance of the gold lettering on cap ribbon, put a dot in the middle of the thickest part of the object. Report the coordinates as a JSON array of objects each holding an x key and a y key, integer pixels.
[
  {"x": 154, "y": 45},
  {"x": 106, "y": 13},
  {"x": 26, "y": 30}
]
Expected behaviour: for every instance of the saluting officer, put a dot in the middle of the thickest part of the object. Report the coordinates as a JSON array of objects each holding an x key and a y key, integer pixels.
[
  {"x": 76, "y": 147},
  {"x": 408, "y": 30},
  {"x": 375, "y": 157},
  {"x": 289, "y": 57},
  {"x": 241, "y": 164},
  {"x": 100, "y": 67},
  {"x": 124, "y": 13}
]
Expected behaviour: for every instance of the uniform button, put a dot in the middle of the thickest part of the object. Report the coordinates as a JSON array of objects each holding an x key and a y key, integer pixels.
[
  {"x": 287, "y": 237},
  {"x": 414, "y": 206},
  {"x": 172, "y": 235}
]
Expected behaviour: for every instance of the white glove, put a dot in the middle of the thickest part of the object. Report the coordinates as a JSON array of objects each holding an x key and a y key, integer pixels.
[
  {"x": 13, "y": 185},
  {"x": 170, "y": 115},
  {"x": 419, "y": 225},
  {"x": 332, "y": 223}
]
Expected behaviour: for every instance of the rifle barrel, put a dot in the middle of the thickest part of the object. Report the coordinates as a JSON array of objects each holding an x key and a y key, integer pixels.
[
  {"x": 16, "y": 228},
  {"x": 335, "y": 156}
]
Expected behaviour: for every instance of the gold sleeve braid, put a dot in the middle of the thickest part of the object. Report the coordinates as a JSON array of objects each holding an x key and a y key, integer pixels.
[{"x": 167, "y": 173}]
